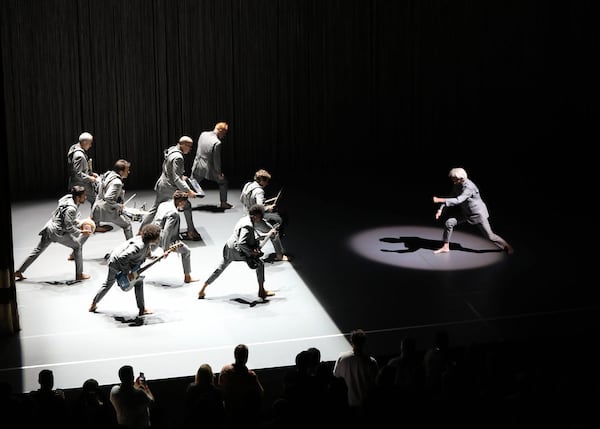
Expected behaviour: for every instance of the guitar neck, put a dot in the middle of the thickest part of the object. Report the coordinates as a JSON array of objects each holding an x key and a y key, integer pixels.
[{"x": 148, "y": 265}]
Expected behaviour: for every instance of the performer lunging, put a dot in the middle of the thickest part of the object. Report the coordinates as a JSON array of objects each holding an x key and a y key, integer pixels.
[
  {"x": 126, "y": 259},
  {"x": 64, "y": 228},
  {"x": 243, "y": 245},
  {"x": 474, "y": 211}
]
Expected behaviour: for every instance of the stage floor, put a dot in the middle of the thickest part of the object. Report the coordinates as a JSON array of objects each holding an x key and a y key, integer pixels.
[{"x": 353, "y": 268}]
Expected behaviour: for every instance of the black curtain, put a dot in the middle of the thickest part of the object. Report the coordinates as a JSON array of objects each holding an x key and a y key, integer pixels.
[{"x": 366, "y": 92}]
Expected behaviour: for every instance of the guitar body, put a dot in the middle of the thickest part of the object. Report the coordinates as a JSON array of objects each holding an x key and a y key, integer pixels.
[{"x": 124, "y": 283}]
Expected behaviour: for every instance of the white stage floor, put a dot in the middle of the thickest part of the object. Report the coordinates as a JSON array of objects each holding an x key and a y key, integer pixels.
[
  {"x": 354, "y": 267},
  {"x": 59, "y": 333}
]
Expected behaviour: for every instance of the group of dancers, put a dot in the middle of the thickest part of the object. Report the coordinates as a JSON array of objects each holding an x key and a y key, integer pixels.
[{"x": 160, "y": 225}]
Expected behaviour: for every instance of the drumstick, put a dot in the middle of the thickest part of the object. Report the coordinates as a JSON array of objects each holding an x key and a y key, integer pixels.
[
  {"x": 275, "y": 198},
  {"x": 130, "y": 198}
]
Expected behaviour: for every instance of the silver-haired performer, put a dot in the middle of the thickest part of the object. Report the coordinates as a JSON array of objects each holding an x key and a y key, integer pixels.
[
  {"x": 81, "y": 171},
  {"x": 474, "y": 211}
]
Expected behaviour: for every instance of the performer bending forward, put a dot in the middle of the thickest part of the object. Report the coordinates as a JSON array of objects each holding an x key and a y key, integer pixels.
[
  {"x": 243, "y": 245},
  {"x": 466, "y": 195},
  {"x": 126, "y": 258}
]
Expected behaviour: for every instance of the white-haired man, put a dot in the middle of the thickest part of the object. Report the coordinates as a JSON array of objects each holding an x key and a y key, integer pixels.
[
  {"x": 474, "y": 211},
  {"x": 80, "y": 171}
]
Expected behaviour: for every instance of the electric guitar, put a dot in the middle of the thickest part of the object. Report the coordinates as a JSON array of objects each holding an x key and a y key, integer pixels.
[{"x": 123, "y": 279}]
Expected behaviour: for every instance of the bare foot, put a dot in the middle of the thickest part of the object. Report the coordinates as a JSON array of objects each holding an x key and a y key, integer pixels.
[
  {"x": 443, "y": 249},
  {"x": 189, "y": 279},
  {"x": 83, "y": 276},
  {"x": 92, "y": 308},
  {"x": 71, "y": 257},
  {"x": 509, "y": 249},
  {"x": 265, "y": 293},
  {"x": 144, "y": 312},
  {"x": 225, "y": 206},
  {"x": 284, "y": 258},
  {"x": 19, "y": 276}
]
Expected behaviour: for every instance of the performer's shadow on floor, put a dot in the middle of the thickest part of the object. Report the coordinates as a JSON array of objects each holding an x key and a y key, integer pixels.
[
  {"x": 134, "y": 321},
  {"x": 413, "y": 244},
  {"x": 209, "y": 208}
]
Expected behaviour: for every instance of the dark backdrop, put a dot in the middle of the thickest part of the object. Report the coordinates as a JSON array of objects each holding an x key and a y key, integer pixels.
[{"x": 388, "y": 94}]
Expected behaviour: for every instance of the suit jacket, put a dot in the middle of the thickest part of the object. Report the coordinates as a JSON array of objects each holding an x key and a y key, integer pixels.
[
  {"x": 64, "y": 220},
  {"x": 167, "y": 217},
  {"x": 129, "y": 254},
  {"x": 207, "y": 163},
  {"x": 110, "y": 197},
  {"x": 79, "y": 169},
  {"x": 172, "y": 171},
  {"x": 466, "y": 195}
]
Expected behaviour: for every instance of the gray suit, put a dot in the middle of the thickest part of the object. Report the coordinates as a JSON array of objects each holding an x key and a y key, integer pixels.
[
  {"x": 239, "y": 247},
  {"x": 207, "y": 163},
  {"x": 474, "y": 211},
  {"x": 126, "y": 257},
  {"x": 62, "y": 228},
  {"x": 169, "y": 181},
  {"x": 167, "y": 218},
  {"x": 252, "y": 193},
  {"x": 108, "y": 203},
  {"x": 80, "y": 172}
]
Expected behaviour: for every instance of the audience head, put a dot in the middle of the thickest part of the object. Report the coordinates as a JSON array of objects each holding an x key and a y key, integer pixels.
[
  {"x": 358, "y": 339},
  {"x": 240, "y": 353},
  {"x": 46, "y": 379},
  {"x": 204, "y": 375},
  {"x": 126, "y": 374}
]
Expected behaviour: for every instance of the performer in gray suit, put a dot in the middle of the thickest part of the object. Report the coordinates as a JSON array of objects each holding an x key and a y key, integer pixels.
[
  {"x": 172, "y": 179},
  {"x": 111, "y": 196},
  {"x": 243, "y": 245},
  {"x": 127, "y": 258},
  {"x": 474, "y": 211},
  {"x": 63, "y": 228},
  {"x": 253, "y": 193},
  {"x": 207, "y": 163},
  {"x": 80, "y": 171},
  {"x": 167, "y": 218}
]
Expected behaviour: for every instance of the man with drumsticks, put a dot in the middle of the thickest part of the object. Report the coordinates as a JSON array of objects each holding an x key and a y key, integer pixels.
[{"x": 109, "y": 203}]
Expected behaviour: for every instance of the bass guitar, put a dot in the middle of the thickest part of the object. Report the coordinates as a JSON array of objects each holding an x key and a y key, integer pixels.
[{"x": 123, "y": 279}]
